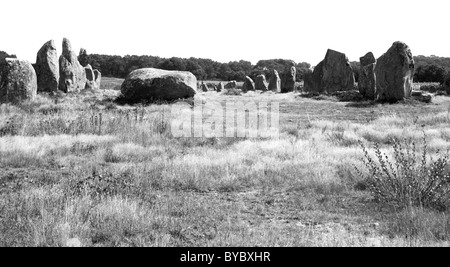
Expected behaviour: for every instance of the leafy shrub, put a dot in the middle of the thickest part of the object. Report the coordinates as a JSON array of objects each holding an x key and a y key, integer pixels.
[
  {"x": 431, "y": 87},
  {"x": 408, "y": 180}
]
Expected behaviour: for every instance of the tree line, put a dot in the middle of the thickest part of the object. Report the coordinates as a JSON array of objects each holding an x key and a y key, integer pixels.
[
  {"x": 431, "y": 69},
  {"x": 203, "y": 69}
]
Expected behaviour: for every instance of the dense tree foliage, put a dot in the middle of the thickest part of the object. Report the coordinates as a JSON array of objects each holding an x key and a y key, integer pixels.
[
  {"x": 443, "y": 62},
  {"x": 431, "y": 69},
  {"x": 117, "y": 66},
  {"x": 203, "y": 69},
  {"x": 430, "y": 73}
]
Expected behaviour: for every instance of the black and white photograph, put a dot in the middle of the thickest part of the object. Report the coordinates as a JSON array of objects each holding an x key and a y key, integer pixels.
[{"x": 237, "y": 125}]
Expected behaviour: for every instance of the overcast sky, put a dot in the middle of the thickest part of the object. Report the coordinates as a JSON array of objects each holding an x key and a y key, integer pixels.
[{"x": 227, "y": 30}]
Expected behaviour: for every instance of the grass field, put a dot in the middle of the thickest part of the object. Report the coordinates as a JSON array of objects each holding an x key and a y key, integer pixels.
[
  {"x": 83, "y": 170},
  {"x": 111, "y": 83}
]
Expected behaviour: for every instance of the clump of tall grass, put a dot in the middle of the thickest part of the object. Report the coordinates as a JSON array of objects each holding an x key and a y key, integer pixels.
[
  {"x": 410, "y": 178},
  {"x": 12, "y": 126}
]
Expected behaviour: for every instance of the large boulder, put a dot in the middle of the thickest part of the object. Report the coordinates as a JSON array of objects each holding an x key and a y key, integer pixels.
[
  {"x": 91, "y": 78},
  {"x": 367, "y": 81},
  {"x": 332, "y": 74},
  {"x": 18, "y": 81},
  {"x": 288, "y": 80},
  {"x": 72, "y": 76},
  {"x": 261, "y": 83},
  {"x": 249, "y": 85},
  {"x": 46, "y": 67},
  {"x": 394, "y": 73},
  {"x": 156, "y": 84},
  {"x": 275, "y": 82}
]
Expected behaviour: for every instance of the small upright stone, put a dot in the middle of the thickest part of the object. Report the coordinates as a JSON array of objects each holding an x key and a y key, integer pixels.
[
  {"x": 275, "y": 82},
  {"x": 313, "y": 81},
  {"x": 249, "y": 85},
  {"x": 220, "y": 87},
  {"x": 288, "y": 80},
  {"x": 261, "y": 83},
  {"x": 91, "y": 81},
  {"x": 367, "y": 81},
  {"x": 204, "y": 87},
  {"x": 98, "y": 78}
]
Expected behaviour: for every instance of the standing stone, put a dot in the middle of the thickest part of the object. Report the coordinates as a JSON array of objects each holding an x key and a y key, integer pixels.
[
  {"x": 204, "y": 87},
  {"x": 313, "y": 81},
  {"x": 275, "y": 82},
  {"x": 91, "y": 79},
  {"x": 288, "y": 80},
  {"x": 47, "y": 69},
  {"x": 367, "y": 81},
  {"x": 72, "y": 74},
  {"x": 394, "y": 73},
  {"x": 332, "y": 74},
  {"x": 220, "y": 87},
  {"x": 261, "y": 83},
  {"x": 249, "y": 85},
  {"x": 98, "y": 78},
  {"x": 231, "y": 85},
  {"x": 154, "y": 84},
  {"x": 18, "y": 81},
  {"x": 337, "y": 73}
]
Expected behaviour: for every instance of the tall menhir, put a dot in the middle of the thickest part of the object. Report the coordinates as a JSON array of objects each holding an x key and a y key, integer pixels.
[
  {"x": 47, "y": 69},
  {"x": 72, "y": 74}
]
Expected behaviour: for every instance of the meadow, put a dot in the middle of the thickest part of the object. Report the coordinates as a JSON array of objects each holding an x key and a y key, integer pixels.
[{"x": 82, "y": 169}]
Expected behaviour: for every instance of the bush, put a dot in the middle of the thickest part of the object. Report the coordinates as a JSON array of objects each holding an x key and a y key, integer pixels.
[
  {"x": 431, "y": 87},
  {"x": 408, "y": 180}
]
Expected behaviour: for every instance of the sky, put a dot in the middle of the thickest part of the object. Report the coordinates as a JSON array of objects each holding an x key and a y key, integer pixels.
[{"x": 227, "y": 30}]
